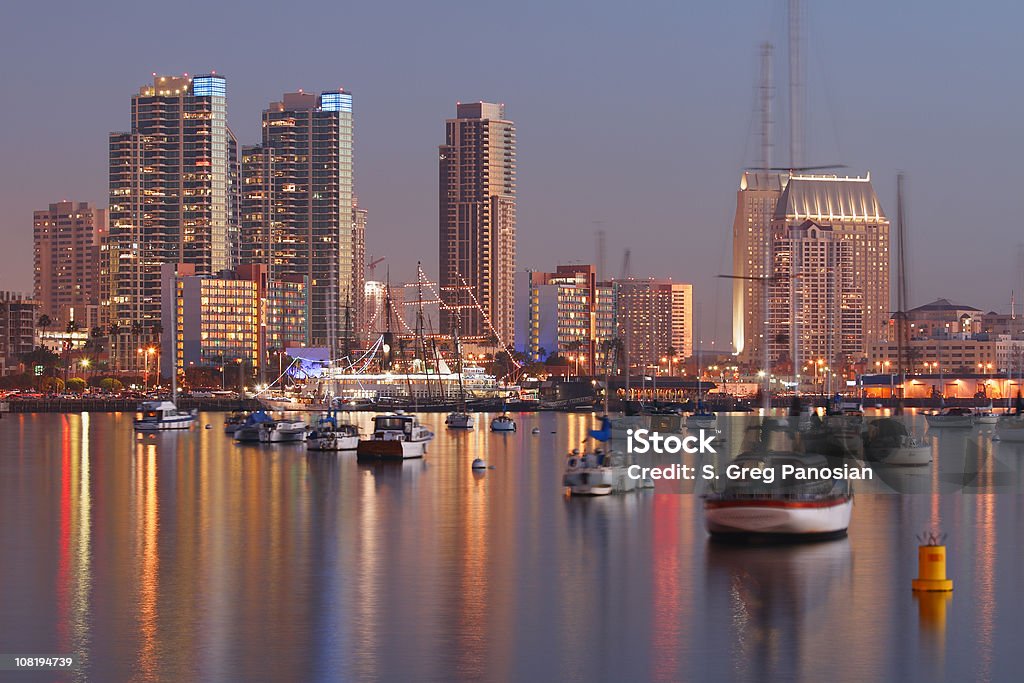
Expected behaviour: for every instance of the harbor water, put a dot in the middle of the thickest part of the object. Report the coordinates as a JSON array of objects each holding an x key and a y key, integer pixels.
[{"x": 188, "y": 557}]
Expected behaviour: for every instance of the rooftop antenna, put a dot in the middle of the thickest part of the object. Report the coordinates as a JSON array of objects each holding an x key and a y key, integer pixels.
[
  {"x": 601, "y": 236},
  {"x": 795, "y": 87},
  {"x": 766, "y": 93}
]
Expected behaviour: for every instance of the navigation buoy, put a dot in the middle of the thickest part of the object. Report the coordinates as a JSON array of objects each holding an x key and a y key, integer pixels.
[
  {"x": 479, "y": 464},
  {"x": 931, "y": 564},
  {"x": 535, "y": 430}
]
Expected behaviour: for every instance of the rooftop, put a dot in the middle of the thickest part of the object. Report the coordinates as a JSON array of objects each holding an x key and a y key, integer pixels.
[{"x": 829, "y": 198}]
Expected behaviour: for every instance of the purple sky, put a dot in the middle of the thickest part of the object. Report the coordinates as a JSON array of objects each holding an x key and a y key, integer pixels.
[{"x": 636, "y": 117}]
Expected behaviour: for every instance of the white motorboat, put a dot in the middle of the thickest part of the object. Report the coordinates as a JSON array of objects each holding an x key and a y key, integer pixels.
[
  {"x": 284, "y": 431},
  {"x": 158, "y": 416},
  {"x": 950, "y": 417},
  {"x": 330, "y": 435},
  {"x": 889, "y": 442},
  {"x": 750, "y": 506},
  {"x": 503, "y": 423},
  {"x": 459, "y": 420},
  {"x": 261, "y": 428},
  {"x": 396, "y": 436}
]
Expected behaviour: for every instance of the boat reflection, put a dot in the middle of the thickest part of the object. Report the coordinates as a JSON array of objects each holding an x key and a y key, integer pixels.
[{"x": 779, "y": 598}]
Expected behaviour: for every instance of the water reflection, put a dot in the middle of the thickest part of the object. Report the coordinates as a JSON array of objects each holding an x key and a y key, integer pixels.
[{"x": 189, "y": 557}]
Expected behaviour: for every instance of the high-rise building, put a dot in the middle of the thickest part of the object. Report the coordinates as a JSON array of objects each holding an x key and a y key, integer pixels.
[
  {"x": 477, "y": 236},
  {"x": 173, "y": 185},
  {"x": 299, "y": 213},
  {"x": 557, "y": 314},
  {"x": 829, "y": 297},
  {"x": 655, "y": 319},
  {"x": 17, "y": 329},
  {"x": 751, "y": 253},
  {"x": 234, "y": 316},
  {"x": 65, "y": 243}
]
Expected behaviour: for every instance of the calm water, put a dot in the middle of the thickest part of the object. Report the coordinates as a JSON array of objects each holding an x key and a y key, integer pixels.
[{"x": 186, "y": 557}]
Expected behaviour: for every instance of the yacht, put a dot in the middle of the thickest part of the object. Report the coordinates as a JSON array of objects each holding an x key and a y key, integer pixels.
[
  {"x": 158, "y": 416},
  {"x": 950, "y": 417},
  {"x": 702, "y": 418},
  {"x": 261, "y": 428},
  {"x": 749, "y": 507},
  {"x": 985, "y": 416},
  {"x": 396, "y": 436},
  {"x": 503, "y": 423},
  {"x": 459, "y": 420},
  {"x": 330, "y": 435}
]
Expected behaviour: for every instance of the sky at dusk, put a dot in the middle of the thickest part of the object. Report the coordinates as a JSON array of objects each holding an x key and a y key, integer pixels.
[{"x": 634, "y": 118}]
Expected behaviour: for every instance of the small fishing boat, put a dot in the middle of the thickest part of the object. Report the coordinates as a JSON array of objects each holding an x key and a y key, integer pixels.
[
  {"x": 396, "y": 436},
  {"x": 950, "y": 417},
  {"x": 158, "y": 416},
  {"x": 503, "y": 423},
  {"x": 330, "y": 435}
]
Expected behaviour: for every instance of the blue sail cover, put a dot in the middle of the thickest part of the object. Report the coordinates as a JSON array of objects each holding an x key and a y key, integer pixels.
[
  {"x": 258, "y": 417},
  {"x": 605, "y": 433}
]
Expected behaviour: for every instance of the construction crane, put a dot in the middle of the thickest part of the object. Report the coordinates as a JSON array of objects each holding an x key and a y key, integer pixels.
[{"x": 372, "y": 265}]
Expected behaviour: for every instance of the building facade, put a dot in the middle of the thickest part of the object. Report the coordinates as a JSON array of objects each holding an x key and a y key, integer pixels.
[
  {"x": 66, "y": 241},
  {"x": 238, "y": 316},
  {"x": 829, "y": 292},
  {"x": 756, "y": 200},
  {"x": 173, "y": 196},
  {"x": 655, "y": 319},
  {"x": 477, "y": 222},
  {"x": 298, "y": 207},
  {"x": 558, "y": 314},
  {"x": 18, "y": 314}
]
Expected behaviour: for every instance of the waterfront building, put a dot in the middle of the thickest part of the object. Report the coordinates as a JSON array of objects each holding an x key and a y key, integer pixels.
[
  {"x": 66, "y": 241},
  {"x": 18, "y": 316},
  {"x": 606, "y": 327},
  {"x": 756, "y": 200},
  {"x": 477, "y": 222},
  {"x": 829, "y": 293},
  {"x": 237, "y": 316},
  {"x": 655, "y": 319},
  {"x": 173, "y": 185},
  {"x": 298, "y": 208},
  {"x": 558, "y": 314}
]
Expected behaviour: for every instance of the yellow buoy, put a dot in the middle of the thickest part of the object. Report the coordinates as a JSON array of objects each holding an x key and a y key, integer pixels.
[{"x": 931, "y": 569}]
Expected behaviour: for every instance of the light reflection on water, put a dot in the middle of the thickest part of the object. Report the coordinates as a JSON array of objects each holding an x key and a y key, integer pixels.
[{"x": 188, "y": 557}]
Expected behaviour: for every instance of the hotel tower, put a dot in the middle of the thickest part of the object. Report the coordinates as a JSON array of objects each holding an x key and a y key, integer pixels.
[{"x": 477, "y": 235}]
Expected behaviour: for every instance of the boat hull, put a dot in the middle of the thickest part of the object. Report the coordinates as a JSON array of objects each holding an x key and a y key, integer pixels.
[
  {"x": 164, "y": 425},
  {"x": 908, "y": 456},
  {"x": 778, "y": 518},
  {"x": 283, "y": 436},
  {"x": 390, "y": 449},
  {"x": 502, "y": 426},
  {"x": 333, "y": 443}
]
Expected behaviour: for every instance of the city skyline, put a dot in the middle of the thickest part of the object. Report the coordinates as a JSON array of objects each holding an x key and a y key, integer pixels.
[{"x": 678, "y": 187}]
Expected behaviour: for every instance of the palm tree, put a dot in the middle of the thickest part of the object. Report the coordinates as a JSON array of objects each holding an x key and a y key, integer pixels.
[
  {"x": 113, "y": 331},
  {"x": 72, "y": 326},
  {"x": 44, "y": 322}
]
